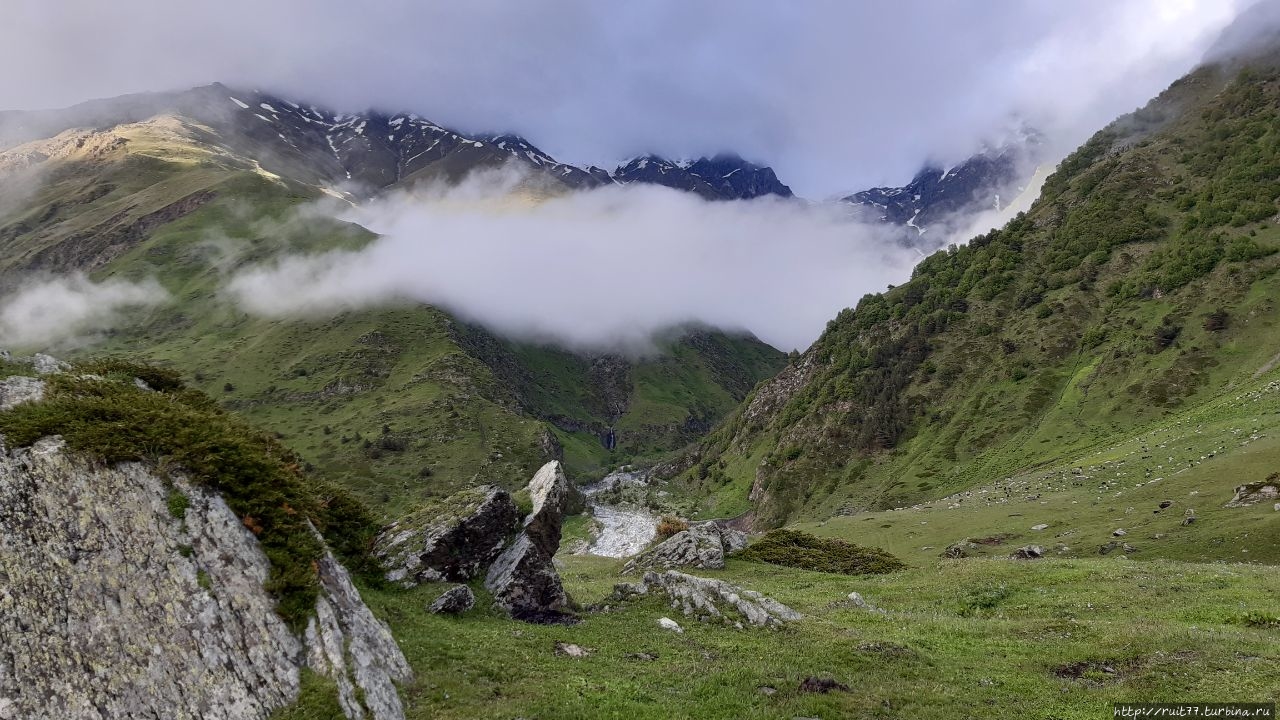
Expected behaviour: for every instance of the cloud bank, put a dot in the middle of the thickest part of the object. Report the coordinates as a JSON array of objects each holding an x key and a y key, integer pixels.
[
  {"x": 836, "y": 95},
  {"x": 70, "y": 309},
  {"x": 606, "y": 268}
]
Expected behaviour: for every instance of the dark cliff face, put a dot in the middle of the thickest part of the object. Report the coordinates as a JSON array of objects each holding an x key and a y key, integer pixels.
[
  {"x": 723, "y": 177},
  {"x": 986, "y": 181}
]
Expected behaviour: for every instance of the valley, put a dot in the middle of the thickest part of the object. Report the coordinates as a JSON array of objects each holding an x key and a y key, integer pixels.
[{"x": 1039, "y": 477}]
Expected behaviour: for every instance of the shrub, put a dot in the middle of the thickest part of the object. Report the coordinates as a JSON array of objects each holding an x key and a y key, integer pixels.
[
  {"x": 791, "y": 548},
  {"x": 670, "y": 525}
]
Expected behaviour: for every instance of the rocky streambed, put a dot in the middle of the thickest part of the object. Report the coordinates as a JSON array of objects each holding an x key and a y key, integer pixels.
[{"x": 626, "y": 527}]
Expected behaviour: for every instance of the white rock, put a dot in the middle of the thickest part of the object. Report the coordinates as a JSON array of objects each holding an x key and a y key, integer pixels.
[
  {"x": 1041, "y": 526},
  {"x": 667, "y": 623}
]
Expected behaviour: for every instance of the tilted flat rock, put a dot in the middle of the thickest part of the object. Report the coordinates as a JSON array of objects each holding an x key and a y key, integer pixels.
[
  {"x": 702, "y": 546},
  {"x": 111, "y": 607},
  {"x": 454, "y": 539},
  {"x": 707, "y": 598}
]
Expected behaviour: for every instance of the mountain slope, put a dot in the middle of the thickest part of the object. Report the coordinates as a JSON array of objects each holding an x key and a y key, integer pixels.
[
  {"x": 391, "y": 402},
  {"x": 989, "y": 180},
  {"x": 1141, "y": 283}
]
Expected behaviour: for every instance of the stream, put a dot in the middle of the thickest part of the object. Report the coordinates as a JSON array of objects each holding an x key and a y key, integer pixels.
[{"x": 625, "y": 530}]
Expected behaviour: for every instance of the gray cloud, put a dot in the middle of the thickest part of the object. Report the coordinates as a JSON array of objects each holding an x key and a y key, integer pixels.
[
  {"x": 836, "y": 95},
  {"x": 603, "y": 268},
  {"x": 69, "y": 310}
]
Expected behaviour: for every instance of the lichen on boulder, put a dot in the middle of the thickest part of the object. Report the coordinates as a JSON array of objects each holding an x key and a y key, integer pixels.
[{"x": 455, "y": 539}]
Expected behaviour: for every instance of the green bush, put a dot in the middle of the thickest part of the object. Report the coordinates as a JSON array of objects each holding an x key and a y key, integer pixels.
[{"x": 791, "y": 548}]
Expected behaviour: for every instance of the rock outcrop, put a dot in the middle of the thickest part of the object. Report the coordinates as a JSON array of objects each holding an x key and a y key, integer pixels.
[
  {"x": 523, "y": 579},
  {"x": 702, "y": 546},
  {"x": 112, "y": 607},
  {"x": 18, "y": 389},
  {"x": 710, "y": 599},
  {"x": 451, "y": 540},
  {"x": 347, "y": 643},
  {"x": 1246, "y": 495}
]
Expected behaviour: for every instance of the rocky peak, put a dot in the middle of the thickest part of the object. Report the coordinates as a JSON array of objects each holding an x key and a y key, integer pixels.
[{"x": 723, "y": 177}]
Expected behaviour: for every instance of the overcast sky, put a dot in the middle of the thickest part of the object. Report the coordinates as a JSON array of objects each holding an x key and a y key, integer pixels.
[{"x": 836, "y": 95}]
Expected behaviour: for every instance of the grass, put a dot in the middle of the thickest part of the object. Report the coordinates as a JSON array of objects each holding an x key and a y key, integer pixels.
[{"x": 948, "y": 645}]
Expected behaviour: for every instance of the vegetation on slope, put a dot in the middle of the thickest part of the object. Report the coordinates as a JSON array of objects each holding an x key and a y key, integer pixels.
[
  {"x": 792, "y": 548},
  {"x": 1140, "y": 282},
  {"x": 398, "y": 404}
]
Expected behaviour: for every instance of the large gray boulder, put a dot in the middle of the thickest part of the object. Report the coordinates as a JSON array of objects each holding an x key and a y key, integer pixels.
[
  {"x": 454, "y": 539},
  {"x": 112, "y": 607},
  {"x": 710, "y": 599},
  {"x": 523, "y": 580},
  {"x": 702, "y": 546}
]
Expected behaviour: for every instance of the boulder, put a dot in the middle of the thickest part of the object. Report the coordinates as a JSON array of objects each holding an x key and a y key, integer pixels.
[
  {"x": 549, "y": 489},
  {"x": 454, "y": 601},
  {"x": 706, "y": 599},
  {"x": 523, "y": 579},
  {"x": 524, "y": 582},
  {"x": 667, "y": 623},
  {"x": 1028, "y": 552},
  {"x": 960, "y": 549},
  {"x": 1255, "y": 493},
  {"x": 17, "y": 390},
  {"x": 451, "y": 540},
  {"x": 571, "y": 650},
  {"x": 702, "y": 546},
  {"x": 47, "y": 365}
]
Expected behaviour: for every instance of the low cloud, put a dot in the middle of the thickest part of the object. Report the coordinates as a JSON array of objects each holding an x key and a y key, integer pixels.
[
  {"x": 70, "y": 310},
  {"x": 606, "y": 268}
]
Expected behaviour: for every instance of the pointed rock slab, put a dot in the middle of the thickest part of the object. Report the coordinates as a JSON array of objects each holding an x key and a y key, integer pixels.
[
  {"x": 701, "y": 546},
  {"x": 524, "y": 582},
  {"x": 454, "y": 539},
  {"x": 549, "y": 490}
]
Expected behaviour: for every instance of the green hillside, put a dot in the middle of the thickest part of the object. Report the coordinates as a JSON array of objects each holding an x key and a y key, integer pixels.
[
  {"x": 397, "y": 403},
  {"x": 1140, "y": 285}
]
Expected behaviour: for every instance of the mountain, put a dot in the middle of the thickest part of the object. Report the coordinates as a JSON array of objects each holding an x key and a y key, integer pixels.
[
  {"x": 364, "y": 153},
  {"x": 723, "y": 177},
  {"x": 397, "y": 404},
  {"x": 988, "y": 180},
  {"x": 1134, "y": 301}
]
